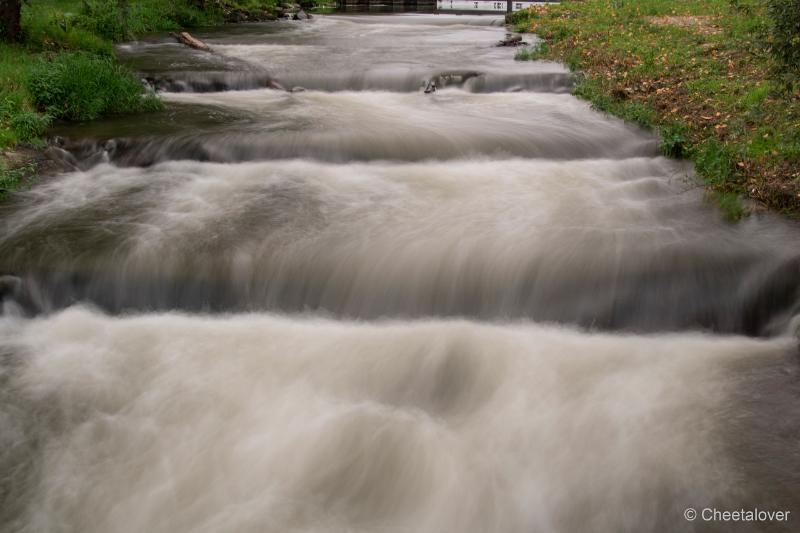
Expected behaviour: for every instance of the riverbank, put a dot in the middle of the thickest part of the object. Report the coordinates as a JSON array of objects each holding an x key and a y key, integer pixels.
[
  {"x": 64, "y": 67},
  {"x": 701, "y": 74}
]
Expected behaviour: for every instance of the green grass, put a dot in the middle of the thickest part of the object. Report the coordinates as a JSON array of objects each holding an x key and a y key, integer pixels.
[
  {"x": 530, "y": 54},
  {"x": 37, "y": 88},
  {"x": 65, "y": 69},
  {"x": 93, "y": 25},
  {"x": 12, "y": 178},
  {"x": 106, "y": 19},
  {"x": 19, "y": 120},
  {"x": 707, "y": 85},
  {"x": 51, "y": 25},
  {"x": 79, "y": 86}
]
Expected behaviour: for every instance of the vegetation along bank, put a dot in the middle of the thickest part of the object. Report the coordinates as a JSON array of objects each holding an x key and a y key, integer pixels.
[
  {"x": 57, "y": 62},
  {"x": 718, "y": 79}
]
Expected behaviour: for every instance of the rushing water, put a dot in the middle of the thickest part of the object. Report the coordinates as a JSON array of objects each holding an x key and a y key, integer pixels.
[{"x": 355, "y": 306}]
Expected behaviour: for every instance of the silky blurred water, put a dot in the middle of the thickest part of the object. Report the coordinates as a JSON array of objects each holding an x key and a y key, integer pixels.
[{"x": 310, "y": 296}]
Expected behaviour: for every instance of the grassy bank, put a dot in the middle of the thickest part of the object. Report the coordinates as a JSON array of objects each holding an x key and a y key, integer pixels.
[
  {"x": 702, "y": 73},
  {"x": 64, "y": 67}
]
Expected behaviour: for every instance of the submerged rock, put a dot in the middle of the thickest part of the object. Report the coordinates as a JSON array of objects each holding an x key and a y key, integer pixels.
[
  {"x": 62, "y": 160},
  {"x": 236, "y": 16},
  {"x": 301, "y": 15},
  {"x": 249, "y": 15},
  {"x": 10, "y": 287}
]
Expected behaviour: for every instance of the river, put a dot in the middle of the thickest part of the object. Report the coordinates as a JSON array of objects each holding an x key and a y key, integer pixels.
[{"x": 310, "y": 296}]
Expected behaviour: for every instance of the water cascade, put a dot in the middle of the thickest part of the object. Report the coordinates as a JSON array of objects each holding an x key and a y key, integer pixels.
[{"x": 310, "y": 296}]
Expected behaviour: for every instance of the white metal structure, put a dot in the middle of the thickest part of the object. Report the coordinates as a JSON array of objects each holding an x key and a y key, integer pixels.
[{"x": 483, "y": 5}]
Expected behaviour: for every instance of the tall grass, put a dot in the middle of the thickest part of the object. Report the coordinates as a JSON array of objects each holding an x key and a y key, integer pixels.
[
  {"x": 65, "y": 68},
  {"x": 19, "y": 121},
  {"x": 51, "y": 25},
  {"x": 107, "y": 19},
  {"x": 79, "y": 86}
]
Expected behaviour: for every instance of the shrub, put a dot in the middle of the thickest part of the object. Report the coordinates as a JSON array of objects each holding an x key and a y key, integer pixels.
[
  {"x": 785, "y": 34},
  {"x": 29, "y": 125},
  {"x": 190, "y": 16},
  {"x": 12, "y": 178},
  {"x": 78, "y": 86},
  {"x": 673, "y": 140},
  {"x": 56, "y": 31},
  {"x": 11, "y": 102},
  {"x": 730, "y": 204},
  {"x": 526, "y": 54},
  {"x": 112, "y": 21},
  {"x": 18, "y": 122},
  {"x": 146, "y": 17},
  {"x": 104, "y": 18}
]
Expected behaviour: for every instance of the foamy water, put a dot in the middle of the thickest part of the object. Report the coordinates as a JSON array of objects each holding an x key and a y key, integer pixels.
[{"x": 262, "y": 423}]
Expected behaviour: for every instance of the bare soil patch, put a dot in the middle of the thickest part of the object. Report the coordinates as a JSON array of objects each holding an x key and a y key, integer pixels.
[{"x": 703, "y": 25}]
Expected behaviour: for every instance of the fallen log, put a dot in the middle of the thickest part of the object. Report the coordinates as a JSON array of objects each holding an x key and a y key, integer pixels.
[{"x": 186, "y": 38}]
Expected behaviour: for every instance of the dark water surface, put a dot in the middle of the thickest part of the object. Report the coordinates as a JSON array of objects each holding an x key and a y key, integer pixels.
[{"x": 309, "y": 296}]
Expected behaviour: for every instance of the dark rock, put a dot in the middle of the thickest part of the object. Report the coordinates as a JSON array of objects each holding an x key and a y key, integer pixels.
[
  {"x": 512, "y": 40},
  {"x": 252, "y": 15},
  {"x": 60, "y": 160},
  {"x": 17, "y": 298},
  {"x": 236, "y": 16},
  {"x": 301, "y": 15},
  {"x": 10, "y": 287},
  {"x": 149, "y": 83}
]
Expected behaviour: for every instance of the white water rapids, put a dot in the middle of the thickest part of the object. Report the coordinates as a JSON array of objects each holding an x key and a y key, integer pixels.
[{"x": 363, "y": 308}]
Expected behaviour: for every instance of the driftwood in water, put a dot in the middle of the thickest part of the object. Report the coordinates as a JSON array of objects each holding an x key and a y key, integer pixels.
[{"x": 186, "y": 38}]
